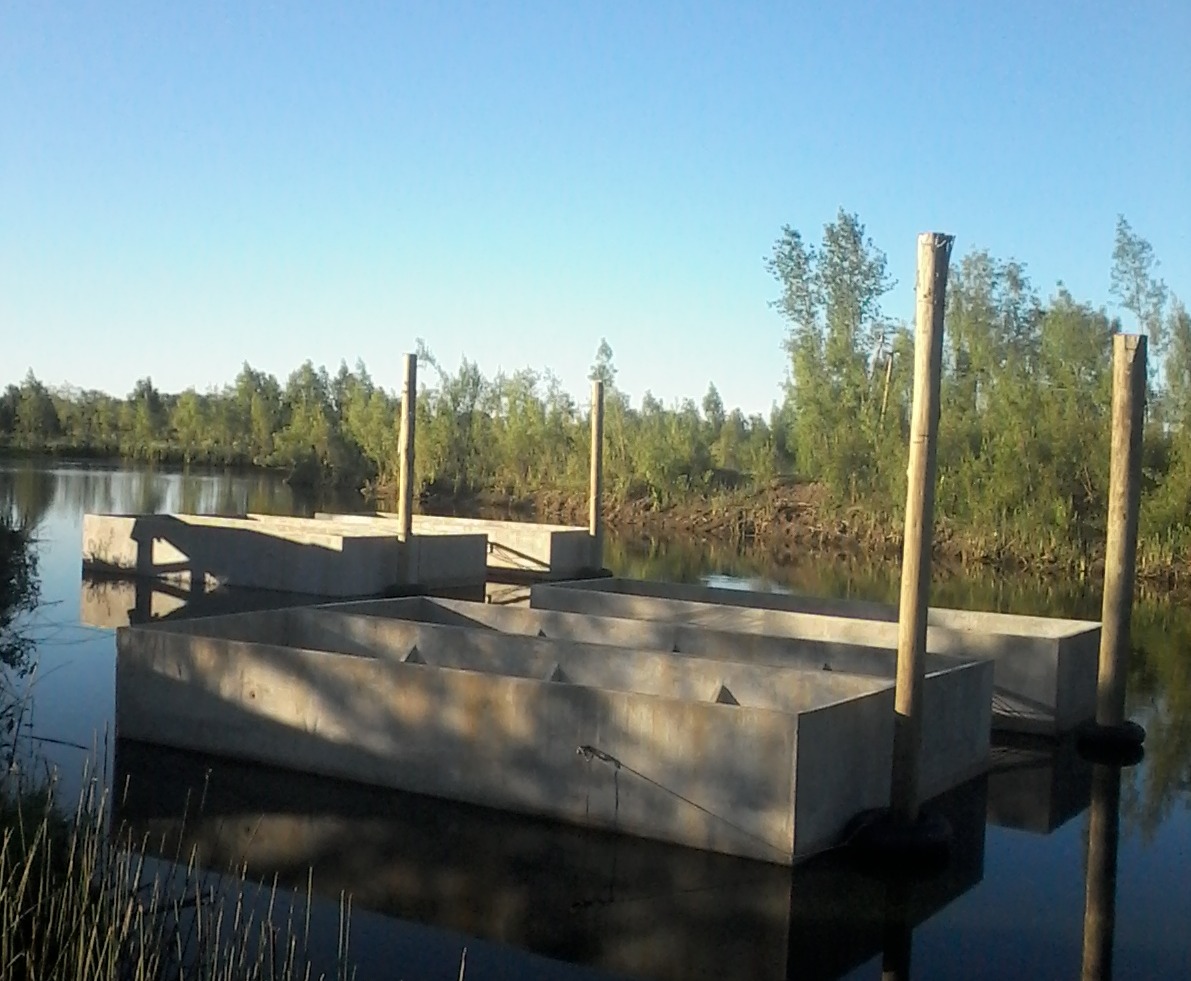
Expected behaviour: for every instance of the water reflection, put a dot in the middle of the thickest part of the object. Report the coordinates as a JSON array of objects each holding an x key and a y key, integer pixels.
[
  {"x": 1104, "y": 832},
  {"x": 34, "y": 487},
  {"x": 1036, "y": 785},
  {"x": 613, "y": 902}
]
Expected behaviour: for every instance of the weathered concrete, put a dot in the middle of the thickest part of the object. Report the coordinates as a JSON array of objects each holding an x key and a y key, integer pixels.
[
  {"x": 1044, "y": 669},
  {"x": 295, "y": 555},
  {"x": 638, "y": 908},
  {"x": 957, "y": 698},
  {"x": 539, "y": 550},
  {"x": 749, "y": 760}
]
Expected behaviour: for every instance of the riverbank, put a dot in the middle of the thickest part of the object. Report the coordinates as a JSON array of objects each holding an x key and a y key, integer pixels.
[
  {"x": 788, "y": 520},
  {"x": 784, "y": 520}
]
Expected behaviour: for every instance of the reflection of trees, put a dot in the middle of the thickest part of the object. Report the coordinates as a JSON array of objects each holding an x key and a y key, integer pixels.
[
  {"x": 1160, "y": 697},
  {"x": 18, "y": 595},
  {"x": 26, "y": 494}
]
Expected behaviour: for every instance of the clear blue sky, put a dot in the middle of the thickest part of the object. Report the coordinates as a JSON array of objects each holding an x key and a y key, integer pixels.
[{"x": 187, "y": 186}]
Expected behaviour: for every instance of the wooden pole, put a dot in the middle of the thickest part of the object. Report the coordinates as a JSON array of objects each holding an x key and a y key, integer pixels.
[
  {"x": 1100, "y": 888},
  {"x": 405, "y": 447},
  {"x": 934, "y": 255},
  {"x": 595, "y": 510},
  {"x": 1124, "y": 499}
]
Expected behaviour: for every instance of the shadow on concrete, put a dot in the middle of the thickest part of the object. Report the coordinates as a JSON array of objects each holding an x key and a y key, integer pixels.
[{"x": 295, "y": 688}]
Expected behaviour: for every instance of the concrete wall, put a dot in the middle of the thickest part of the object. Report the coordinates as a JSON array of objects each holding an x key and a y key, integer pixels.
[
  {"x": 1044, "y": 669},
  {"x": 957, "y": 696},
  {"x": 560, "y": 729},
  {"x": 518, "y": 546},
  {"x": 283, "y": 554}
]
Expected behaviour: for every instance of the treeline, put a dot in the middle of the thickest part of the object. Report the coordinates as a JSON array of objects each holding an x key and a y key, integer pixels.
[
  {"x": 1024, "y": 430},
  {"x": 515, "y": 433},
  {"x": 1023, "y": 454}
]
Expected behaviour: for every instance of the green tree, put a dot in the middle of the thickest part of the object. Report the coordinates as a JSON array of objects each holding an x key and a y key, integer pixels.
[{"x": 836, "y": 334}]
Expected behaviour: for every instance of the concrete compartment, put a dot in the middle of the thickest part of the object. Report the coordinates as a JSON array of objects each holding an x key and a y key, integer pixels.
[
  {"x": 554, "y": 551},
  {"x": 1044, "y": 673},
  {"x": 761, "y": 762},
  {"x": 294, "y": 555},
  {"x": 957, "y": 694}
]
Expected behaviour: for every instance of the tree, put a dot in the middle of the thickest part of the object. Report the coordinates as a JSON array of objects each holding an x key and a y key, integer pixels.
[
  {"x": 1135, "y": 283},
  {"x": 36, "y": 416},
  {"x": 836, "y": 332},
  {"x": 602, "y": 368},
  {"x": 713, "y": 411}
]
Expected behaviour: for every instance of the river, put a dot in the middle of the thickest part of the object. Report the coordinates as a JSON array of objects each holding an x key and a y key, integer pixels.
[{"x": 532, "y": 899}]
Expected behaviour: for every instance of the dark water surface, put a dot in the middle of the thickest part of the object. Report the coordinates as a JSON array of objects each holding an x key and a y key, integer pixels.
[{"x": 1029, "y": 893}]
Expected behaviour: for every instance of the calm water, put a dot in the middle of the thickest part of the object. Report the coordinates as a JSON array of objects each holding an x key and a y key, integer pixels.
[{"x": 533, "y": 899}]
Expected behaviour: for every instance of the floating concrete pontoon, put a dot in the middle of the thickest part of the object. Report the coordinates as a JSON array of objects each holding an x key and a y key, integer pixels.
[
  {"x": 749, "y": 760},
  {"x": 957, "y": 694},
  {"x": 294, "y": 555},
  {"x": 527, "y": 548},
  {"x": 1045, "y": 669}
]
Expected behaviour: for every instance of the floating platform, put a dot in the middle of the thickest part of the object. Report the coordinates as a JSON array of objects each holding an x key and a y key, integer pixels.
[
  {"x": 292, "y": 555},
  {"x": 1044, "y": 669},
  {"x": 762, "y": 762},
  {"x": 957, "y": 693},
  {"x": 520, "y": 547}
]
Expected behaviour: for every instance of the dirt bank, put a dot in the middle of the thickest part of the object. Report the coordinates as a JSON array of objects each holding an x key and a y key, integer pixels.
[{"x": 788, "y": 520}]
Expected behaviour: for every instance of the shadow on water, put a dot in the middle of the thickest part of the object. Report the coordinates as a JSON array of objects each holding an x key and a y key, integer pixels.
[{"x": 608, "y": 901}]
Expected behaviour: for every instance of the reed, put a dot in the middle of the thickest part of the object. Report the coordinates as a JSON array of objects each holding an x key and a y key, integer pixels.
[{"x": 81, "y": 902}]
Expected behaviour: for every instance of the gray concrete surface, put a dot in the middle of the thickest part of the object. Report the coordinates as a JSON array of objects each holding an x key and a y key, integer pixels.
[
  {"x": 295, "y": 555},
  {"x": 749, "y": 760},
  {"x": 957, "y": 697},
  {"x": 1044, "y": 673},
  {"x": 553, "y": 551}
]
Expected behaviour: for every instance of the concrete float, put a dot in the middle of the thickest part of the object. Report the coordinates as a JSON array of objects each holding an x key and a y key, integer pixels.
[
  {"x": 293, "y": 555},
  {"x": 1044, "y": 673},
  {"x": 750, "y": 760},
  {"x": 957, "y": 695},
  {"x": 522, "y": 547},
  {"x": 630, "y": 906}
]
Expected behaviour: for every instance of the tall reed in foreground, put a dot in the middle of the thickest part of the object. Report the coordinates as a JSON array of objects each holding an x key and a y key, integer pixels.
[{"x": 78, "y": 903}]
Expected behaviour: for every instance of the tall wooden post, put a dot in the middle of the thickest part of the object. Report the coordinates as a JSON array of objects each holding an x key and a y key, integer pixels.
[
  {"x": 1124, "y": 499},
  {"x": 1100, "y": 888},
  {"x": 934, "y": 255},
  {"x": 405, "y": 447},
  {"x": 595, "y": 504}
]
